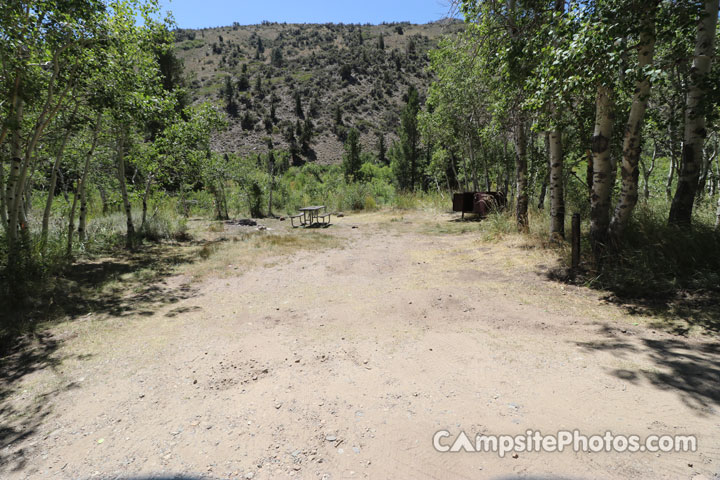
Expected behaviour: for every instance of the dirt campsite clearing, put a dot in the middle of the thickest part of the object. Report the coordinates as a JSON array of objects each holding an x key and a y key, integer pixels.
[{"x": 338, "y": 353}]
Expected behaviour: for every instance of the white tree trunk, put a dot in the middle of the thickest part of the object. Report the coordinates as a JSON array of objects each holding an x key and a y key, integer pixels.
[
  {"x": 53, "y": 182},
  {"x": 12, "y": 190},
  {"x": 130, "y": 234},
  {"x": 707, "y": 180},
  {"x": 466, "y": 176},
  {"x": 632, "y": 142},
  {"x": 521, "y": 210},
  {"x": 20, "y": 166},
  {"x": 716, "y": 180},
  {"x": 14, "y": 97},
  {"x": 670, "y": 178},
  {"x": 695, "y": 133},
  {"x": 47, "y": 113},
  {"x": 3, "y": 207},
  {"x": 146, "y": 195},
  {"x": 602, "y": 168},
  {"x": 80, "y": 194},
  {"x": 71, "y": 222},
  {"x": 82, "y": 223},
  {"x": 557, "y": 198},
  {"x": 103, "y": 198},
  {"x": 51, "y": 193},
  {"x": 473, "y": 164},
  {"x": 486, "y": 168},
  {"x": 647, "y": 172}
]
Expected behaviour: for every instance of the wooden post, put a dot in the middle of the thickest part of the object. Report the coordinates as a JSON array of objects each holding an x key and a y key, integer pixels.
[{"x": 575, "y": 241}]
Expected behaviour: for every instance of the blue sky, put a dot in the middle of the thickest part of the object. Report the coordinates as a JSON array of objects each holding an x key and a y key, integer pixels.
[{"x": 214, "y": 13}]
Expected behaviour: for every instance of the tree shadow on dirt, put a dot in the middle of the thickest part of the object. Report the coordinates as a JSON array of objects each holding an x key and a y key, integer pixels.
[
  {"x": 676, "y": 311},
  {"x": 130, "y": 284},
  {"x": 126, "y": 283},
  {"x": 659, "y": 270},
  {"x": 122, "y": 284},
  {"x": 693, "y": 309},
  {"x": 18, "y": 421},
  {"x": 690, "y": 369}
]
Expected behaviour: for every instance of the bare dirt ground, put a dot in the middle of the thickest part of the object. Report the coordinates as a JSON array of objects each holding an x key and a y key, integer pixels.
[{"x": 342, "y": 357}]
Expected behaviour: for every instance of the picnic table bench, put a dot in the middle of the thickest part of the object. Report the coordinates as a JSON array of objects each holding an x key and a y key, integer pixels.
[
  {"x": 311, "y": 215},
  {"x": 293, "y": 217}
]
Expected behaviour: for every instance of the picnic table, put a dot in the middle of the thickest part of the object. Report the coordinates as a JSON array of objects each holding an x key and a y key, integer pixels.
[{"x": 311, "y": 215}]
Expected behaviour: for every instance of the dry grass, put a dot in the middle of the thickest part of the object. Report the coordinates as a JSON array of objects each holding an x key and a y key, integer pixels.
[{"x": 235, "y": 253}]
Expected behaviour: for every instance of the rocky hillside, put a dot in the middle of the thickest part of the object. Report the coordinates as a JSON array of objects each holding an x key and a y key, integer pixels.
[{"x": 303, "y": 86}]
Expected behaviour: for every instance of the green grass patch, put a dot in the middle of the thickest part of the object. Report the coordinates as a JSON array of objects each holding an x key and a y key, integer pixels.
[
  {"x": 303, "y": 77},
  {"x": 190, "y": 44}
]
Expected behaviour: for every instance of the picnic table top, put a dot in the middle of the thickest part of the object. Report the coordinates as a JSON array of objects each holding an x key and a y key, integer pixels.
[{"x": 312, "y": 208}]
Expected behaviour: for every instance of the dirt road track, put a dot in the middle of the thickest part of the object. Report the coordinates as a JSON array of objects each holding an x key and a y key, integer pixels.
[{"x": 343, "y": 363}]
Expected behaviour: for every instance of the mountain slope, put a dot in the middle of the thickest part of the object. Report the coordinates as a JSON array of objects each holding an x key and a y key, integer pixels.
[{"x": 343, "y": 76}]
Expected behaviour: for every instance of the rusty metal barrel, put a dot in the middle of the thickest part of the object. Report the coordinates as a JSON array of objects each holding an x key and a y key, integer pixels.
[{"x": 480, "y": 203}]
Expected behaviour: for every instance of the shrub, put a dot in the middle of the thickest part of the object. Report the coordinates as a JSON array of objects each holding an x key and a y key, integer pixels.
[
  {"x": 354, "y": 196},
  {"x": 255, "y": 199},
  {"x": 163, "y": 227}
]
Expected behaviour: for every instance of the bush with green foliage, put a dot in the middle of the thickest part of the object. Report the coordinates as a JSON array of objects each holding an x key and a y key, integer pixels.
[{"x": 351, "y": 159}]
